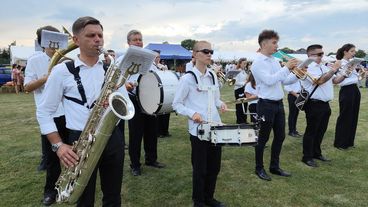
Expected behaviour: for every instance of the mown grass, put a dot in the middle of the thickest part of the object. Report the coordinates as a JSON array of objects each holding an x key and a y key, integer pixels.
[{"x": 343, "y": 182}]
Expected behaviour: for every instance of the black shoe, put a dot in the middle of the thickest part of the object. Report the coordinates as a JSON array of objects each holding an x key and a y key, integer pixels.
[
  {"x": 280, "y": 172},
  {"x": 295, "y": 134},
  {"x": 48, "y": 200},
  {"x": 214, "y": 203},
  {"x": 42, "y": 166},
  {"x": 322, "y": 158},
  {"x": 263, "y": 175},
  {"x": 156, "y": 164},
  {"x": 136, "y": 171},
  {"x": 310, "y": 163},
  {"x": 343, "y": 148}
]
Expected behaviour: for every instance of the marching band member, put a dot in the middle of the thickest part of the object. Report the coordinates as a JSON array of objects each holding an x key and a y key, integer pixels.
[
  {"x": 193, "y": 102},
  {"x": 250, "y": 93},
  {"x": 240, "y": 79},
  {"x": 141, "y": 125},
  {"x": 63, "y": 86},
  {"x": 36, "y": 75},
  {"x": 349, "y": 102},
  {"x": 269, "y": 76},
  {"x": 317, "y": 108},
  {"x": 293, "y": 92}
]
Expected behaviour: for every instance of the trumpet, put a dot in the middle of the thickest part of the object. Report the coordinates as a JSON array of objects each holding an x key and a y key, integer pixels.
[
  {"x": 349, "y": 68},
  {"x": 298, "y": 70},
  {"x": 222, "y": 78}
]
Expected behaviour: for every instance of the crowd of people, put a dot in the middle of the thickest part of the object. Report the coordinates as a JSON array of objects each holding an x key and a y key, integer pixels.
[{"x": 73, "y": 87}]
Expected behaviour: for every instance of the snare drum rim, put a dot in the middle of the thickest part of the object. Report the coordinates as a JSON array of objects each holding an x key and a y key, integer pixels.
[
  {"x": 161, "y": 93},
  {"x": 233, "y": 126}
]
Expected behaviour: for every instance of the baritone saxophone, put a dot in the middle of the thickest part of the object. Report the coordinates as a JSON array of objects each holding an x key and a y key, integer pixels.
[{"x": 98, "y": 129}]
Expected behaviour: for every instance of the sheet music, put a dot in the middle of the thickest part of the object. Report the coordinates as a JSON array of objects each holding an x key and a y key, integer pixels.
[
  {"x": 305, "y": 63},
  {"x": 232, "y": 74},
  {"x": 137, "y": 55},
  {"x": 55, "y": 40}
]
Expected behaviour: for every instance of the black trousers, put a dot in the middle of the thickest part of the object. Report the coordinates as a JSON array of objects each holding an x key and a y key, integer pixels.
[
  {"x": 274, "y": 114},
  {"x": 346, "y": 125},
  {"x": 53, "y": 168},
  {"x": 252, "y": 109},
  {"x": 317, "y": 115},
  {"x": 241, "y": 109},
  {"x": 110, "y": 167},
  {"x": 206, "y": 164},
  {"x": 293, "y": 113},
  {"x": 142, "y": 126},
  {"x": 163, "y": 124}
]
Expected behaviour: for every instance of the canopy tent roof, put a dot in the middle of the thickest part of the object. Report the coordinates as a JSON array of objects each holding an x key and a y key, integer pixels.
[
  {"x": 171, "y": 51},
  {"x": 20, "y": 54}
]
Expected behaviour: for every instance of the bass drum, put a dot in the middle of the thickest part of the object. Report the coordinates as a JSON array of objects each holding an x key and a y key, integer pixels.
[{"x": 156, "y": 91}]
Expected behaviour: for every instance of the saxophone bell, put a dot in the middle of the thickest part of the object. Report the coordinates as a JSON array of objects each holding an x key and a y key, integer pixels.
[{"x": 121, "y": 106}]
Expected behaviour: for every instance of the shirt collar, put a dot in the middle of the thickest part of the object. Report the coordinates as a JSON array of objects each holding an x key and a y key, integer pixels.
[
  {"x": 199, "y": 74},
  {"x": 264, "y": 57},
  {"x": 78, "y": 62}
]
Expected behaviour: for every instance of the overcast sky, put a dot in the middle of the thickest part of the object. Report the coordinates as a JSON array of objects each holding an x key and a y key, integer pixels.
[{"x": 230, "y": 25}]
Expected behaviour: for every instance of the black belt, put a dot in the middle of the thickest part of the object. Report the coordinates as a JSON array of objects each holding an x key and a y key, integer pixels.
[
  {"x": 316, "y": 101},
  {"x": 270, "y": 101},
  {"x": 351, "y": 85}
]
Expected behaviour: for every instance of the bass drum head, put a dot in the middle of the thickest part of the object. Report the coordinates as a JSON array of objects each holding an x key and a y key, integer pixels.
[{"x": 149, "y": 92}]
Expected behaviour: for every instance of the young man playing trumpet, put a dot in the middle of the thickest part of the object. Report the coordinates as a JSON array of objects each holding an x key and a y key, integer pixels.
[
  {"x": 269, "y": 76},
  {"x": 191, "y": 101},
  {"x": 317, "y": 108}
]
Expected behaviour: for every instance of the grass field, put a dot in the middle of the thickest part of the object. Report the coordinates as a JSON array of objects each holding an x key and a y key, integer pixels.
[{"x": 343, "y": 182}]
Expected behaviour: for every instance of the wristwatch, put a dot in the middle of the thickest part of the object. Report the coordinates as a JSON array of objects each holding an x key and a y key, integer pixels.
[{"x": 55, "y": 147}]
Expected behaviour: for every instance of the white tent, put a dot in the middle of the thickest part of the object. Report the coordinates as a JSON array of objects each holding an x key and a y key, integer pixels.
[{"x": 20, "y": 54}]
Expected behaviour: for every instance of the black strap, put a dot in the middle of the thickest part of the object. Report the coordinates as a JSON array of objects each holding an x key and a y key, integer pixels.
[
  {"x": 195, "y": 77},
  {"x": 314, "y": 89},
  {"x": 75, "y": 71}
]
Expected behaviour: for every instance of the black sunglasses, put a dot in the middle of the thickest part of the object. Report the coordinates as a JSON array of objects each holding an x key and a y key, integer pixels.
[
  {"x": 319, "y": 54},
  {"x": 206, "y": 51}
]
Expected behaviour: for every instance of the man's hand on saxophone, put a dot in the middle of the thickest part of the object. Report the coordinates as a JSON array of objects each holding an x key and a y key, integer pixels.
[{"x": 65, "y": 153}]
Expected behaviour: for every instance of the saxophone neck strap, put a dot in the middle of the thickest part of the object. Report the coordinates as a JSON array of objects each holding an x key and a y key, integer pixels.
[{"x": 75, "y": 71}]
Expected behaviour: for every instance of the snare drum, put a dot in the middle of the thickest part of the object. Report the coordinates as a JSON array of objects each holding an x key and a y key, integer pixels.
[
  {"x": 156, "y": 91},
  {"x": 239, "y": 134}
]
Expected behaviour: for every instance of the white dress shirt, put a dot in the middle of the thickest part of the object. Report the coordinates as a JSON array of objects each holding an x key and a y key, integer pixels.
[
  {"x": 293, "y": 87},
  {"x": 352, "y": 79},
  {"x": 189, "y": 99},
  {"x": 269, "y": 77},
  {"x": 240, "y": 79},
  {"x": 253, "y": 91},
  {"x": 324, "y": 92},
  {"x": 189, "y": 66},
  {"x": 61, "y": 82},
  {"x": 37, "y": 67}
]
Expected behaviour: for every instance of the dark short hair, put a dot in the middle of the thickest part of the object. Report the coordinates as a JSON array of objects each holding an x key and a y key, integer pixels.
[
  {"x": 111, "y": 51},
  {"x": 14, "y": 65},
  {"x": 82, "y": 22},
  {"x": 313, "y": 47},
  {"x": 344, "y": 48},
  {"x": 267, "y": 35},
  {"x": 39, "y": 32}
]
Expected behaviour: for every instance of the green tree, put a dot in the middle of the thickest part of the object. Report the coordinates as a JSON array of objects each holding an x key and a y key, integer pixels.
[
  {"x": 188, "y": 44},
  {"x": 360, "y": 54},
  {"x": 166, "y": 42},
  {"x": 287, "y": 50}
]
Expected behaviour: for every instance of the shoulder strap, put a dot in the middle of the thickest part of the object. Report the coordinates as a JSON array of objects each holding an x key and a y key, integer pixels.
[
  {"x": 314, "y": 89},
  {"x": 75, "y": 71},
  {"x": 195, "y": 77}
]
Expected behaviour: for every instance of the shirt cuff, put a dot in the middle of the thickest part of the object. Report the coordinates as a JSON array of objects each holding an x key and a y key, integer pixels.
[{"x": 48, "y": 128}]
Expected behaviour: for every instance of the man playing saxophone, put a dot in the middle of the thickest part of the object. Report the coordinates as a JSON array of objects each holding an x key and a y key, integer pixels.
[{"x": 70, "y": 89}]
